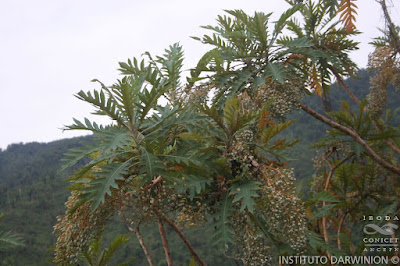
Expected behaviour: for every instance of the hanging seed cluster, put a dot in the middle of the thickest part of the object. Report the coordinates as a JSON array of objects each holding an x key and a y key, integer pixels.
[
  {"x": 193, "y": 215},
  {"x": 283, "y": 99},
  {"x": 284, "y": 211},
  {"x": 318, "y": 179},
  {"x": 377, "y": 98},
  {"x": 77, "y": 228},
  {"x": 143, "y": 205},
  {"x": 253, "y": 247},
  {"x": 387, "y": 73},
  {"x": 240, "y": 154},
  {"x": 317, "y": 184},
  {"x": 196, "y": 94}
]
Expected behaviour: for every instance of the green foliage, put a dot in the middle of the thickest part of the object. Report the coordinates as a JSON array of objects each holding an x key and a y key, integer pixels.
[
  {"x": 96, "y": 257},
  {"x": 268, "y": 133},
  {"x": 283, "y": 21},
  {"x": 234, "y": 118},
  {"x": 318, "y": 244},
  {"x": 382, "y": 41},
  {"x": 8, "y": 239},
  {"x": 223, "y": 232},
  {"x": 245, "y": 192},
  {"x": 33, "y": 169},
  {"x": 245, "y": 39},
  {"x": 106, "y": 180},
  {"x": 133, "y": 138},
  {"x": 324, "y": 196},
  {"x": 276, "y": 71},
  {"x": 322, "y": 46},
  {"x": 195, "y": 185}
]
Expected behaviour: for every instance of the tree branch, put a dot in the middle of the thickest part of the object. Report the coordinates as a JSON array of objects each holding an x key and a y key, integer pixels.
[
  {"x": 342, "y": 217},
  {"x": 344, "y": 85},
  {"x": 357, "y": 101},
  {"x": 144, "y": 247},
  {"x": 140, "y": 239},
  {"x": 390, "y": 25},
  {"x": 154, "y": 182},
  {"x": 183, "y": 237},
  {"x": 355, "y": 136},
  {"x": 326, "y": 188},
  {"x": 164, "y": 241}
]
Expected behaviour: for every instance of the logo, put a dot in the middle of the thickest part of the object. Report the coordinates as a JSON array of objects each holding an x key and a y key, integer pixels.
[
  {"x": 381, "y": 238},
  {"x": 387, "y": 229},
  {"x": 388, "y": 218}
]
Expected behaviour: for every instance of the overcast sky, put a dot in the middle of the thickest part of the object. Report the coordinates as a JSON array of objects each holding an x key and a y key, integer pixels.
[{"x": 51, "y": 49}]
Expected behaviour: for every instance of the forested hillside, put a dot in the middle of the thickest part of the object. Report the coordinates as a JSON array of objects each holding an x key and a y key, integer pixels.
[{"x": 33, "y": 191}]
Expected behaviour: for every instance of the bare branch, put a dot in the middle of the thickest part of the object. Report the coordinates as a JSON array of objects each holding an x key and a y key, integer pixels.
[
  {"x": 139, "y": 237},
  {"x": 164, "y": 241},
  {"x": 155, "y": 181},
  {"x": 183, "y": 237},
  {"x": 344, "y": 85},
  {"x": 355, "y": 136}
]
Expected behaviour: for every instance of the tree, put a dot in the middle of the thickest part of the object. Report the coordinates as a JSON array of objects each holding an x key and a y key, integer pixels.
[{"x": 208, "y": 151}]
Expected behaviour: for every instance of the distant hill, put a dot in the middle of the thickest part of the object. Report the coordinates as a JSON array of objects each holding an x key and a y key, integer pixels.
[{"x": 33, "y": 192}]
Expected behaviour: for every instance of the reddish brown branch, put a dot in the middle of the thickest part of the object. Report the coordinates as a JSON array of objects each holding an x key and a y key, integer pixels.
[
  {"x": 183, "y": 237},
  {"x": 164, "y": 241},
  {"x": 155, "y": 181},
  {"x": 355, "y": 136},
  {"x": 342, "y": 217},
  {"x": 333, "y": 168},
  {"x": 325, "y": 232},
  {"x": 324, "y": 220},
  {"x": 326, "y": 188}
]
